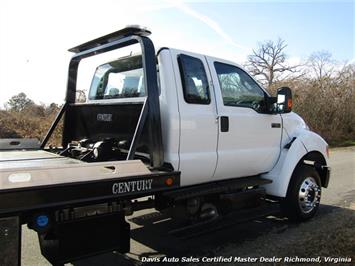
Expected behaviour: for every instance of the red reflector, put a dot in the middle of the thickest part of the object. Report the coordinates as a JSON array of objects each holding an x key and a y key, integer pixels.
[{"x": 169, "y": 181}]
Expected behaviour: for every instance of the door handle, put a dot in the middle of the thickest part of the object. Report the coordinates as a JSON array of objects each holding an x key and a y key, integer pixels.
[{"x": 224, "y": 123}]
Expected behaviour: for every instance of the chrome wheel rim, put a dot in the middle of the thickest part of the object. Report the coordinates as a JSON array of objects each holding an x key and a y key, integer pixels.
[{"x": 309, "y": 195}]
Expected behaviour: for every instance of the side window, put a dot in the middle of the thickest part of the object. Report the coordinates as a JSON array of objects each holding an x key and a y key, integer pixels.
[
  {"x": 238, "y": 88},
  {"x": 194, "y": 80}
]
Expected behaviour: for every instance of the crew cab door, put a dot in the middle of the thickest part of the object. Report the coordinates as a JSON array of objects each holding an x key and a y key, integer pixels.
[
  {"x": 248, "y": 141},
  {"x": 197, "y": 110}
]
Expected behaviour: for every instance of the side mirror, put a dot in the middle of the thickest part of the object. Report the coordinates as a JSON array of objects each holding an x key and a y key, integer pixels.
[{"x": 284, "y": 99}]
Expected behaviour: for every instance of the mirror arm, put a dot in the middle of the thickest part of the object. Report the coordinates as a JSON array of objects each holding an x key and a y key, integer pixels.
[{"x": 269, "y": 102}]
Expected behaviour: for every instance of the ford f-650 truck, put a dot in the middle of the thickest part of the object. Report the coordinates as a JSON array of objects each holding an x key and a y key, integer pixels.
[{"x": 185, "y": 133}]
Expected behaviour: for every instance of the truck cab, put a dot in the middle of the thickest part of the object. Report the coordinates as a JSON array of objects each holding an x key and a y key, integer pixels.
[{"x": 215, "y": 115}]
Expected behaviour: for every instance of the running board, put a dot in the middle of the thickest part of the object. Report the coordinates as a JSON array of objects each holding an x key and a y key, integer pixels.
[{"x": 224, "y": 186}]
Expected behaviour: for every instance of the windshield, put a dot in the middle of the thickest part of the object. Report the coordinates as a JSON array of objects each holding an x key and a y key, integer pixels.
[{"x": 122, "y": 78}]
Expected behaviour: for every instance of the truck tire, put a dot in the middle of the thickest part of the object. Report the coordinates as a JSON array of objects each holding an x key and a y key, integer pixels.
[{"x": 303, "y": 195}]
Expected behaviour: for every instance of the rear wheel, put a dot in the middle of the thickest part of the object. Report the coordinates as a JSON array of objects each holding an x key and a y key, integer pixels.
[{"x": 303, "y": 195}]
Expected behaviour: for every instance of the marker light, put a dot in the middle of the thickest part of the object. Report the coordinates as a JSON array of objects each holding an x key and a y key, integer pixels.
[
  {"x": 42, "y": 220},
  {"x": 169, "y": 181}
]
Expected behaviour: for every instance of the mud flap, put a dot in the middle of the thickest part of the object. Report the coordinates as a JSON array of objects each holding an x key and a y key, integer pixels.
[
  {"x": 76, "y": 239},
  {"x": 10, "y": 241}
]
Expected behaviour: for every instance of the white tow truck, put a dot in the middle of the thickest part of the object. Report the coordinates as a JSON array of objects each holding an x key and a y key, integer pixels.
[{"x": 183, "y": 132}]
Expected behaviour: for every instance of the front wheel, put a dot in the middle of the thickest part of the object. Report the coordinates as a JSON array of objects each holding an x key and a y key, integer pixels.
[{"x": 303, "y": 195}]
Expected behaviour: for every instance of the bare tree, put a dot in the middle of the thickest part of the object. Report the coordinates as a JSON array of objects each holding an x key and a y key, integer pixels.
[
  {"x": 268, "y": 61},
  {"x": 321, "y": 64}
]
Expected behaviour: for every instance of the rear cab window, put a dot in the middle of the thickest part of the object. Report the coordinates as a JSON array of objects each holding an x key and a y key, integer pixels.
[
  {"x": 121, "y": 78},
  {"x": 194, "y": 80}
]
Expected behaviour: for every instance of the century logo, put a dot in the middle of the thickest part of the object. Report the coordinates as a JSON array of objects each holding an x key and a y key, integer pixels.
[{"x": 132, "y": 186}]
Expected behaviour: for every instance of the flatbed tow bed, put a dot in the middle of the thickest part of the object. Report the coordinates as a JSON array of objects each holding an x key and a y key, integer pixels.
[
  {"x": 53, "y": 205},
  {"x": 123, "y": 180}
]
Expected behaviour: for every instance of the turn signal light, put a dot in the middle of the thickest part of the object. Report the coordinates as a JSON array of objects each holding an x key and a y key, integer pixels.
[{"x": 289, "y": 103}]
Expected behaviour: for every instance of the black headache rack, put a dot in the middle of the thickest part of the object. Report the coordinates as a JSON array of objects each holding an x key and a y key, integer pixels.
[{"x": 148, "y": 112}]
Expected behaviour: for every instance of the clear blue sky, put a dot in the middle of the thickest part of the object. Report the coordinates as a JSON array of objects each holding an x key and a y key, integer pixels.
[
  {"x": 35, "y": 35},
  {"x": 306, "y": 26}
]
